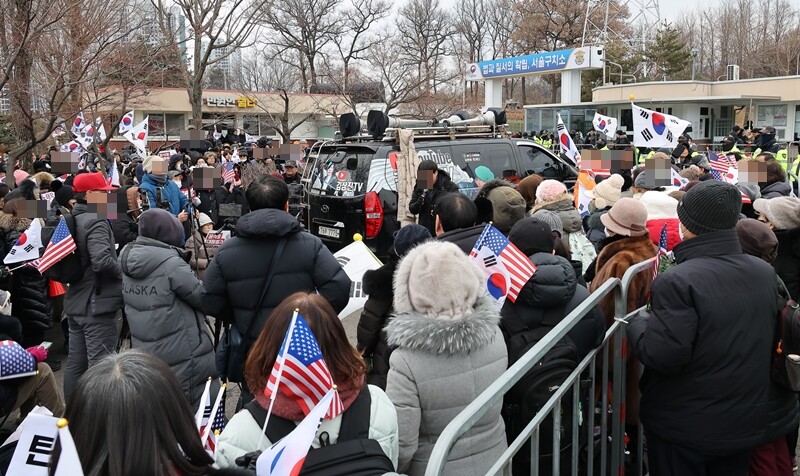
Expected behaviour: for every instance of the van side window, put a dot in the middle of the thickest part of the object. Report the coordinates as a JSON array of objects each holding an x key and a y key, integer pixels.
[
  {"x": 498, "y": 158},
  {"x": 536, "y": 161}
]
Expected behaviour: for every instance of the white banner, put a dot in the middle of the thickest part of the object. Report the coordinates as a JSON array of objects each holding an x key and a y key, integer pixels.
[
  {"x": 36, "y": 443},
  {"x": 356, "y": 259},
  {"x": 217, "y": 238}
]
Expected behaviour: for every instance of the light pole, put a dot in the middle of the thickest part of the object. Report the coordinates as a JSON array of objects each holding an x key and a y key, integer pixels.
[
  {"x": 694, "y": 54},
  {"x": 617, "y": 65}
]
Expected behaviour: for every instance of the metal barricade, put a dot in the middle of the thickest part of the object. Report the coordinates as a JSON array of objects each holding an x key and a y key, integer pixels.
[{"x": 610, "y": 356}]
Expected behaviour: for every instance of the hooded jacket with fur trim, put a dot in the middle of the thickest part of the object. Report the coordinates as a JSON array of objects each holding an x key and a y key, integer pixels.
[{"x": 441, "y": 364}]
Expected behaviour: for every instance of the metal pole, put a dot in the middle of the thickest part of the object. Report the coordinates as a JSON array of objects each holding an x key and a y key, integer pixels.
[{"x": 693, "y": 62}]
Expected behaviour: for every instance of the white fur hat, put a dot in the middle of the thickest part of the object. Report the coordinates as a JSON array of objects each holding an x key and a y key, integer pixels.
[
  {"x": 437, "y": 279},
  {"x": 659, "y": 205}
]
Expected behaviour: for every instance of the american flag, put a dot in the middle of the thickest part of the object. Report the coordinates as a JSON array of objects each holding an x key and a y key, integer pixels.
[
  {"x": 300, "y": 371},
  {"x": 15, "y": 361},
  {"x": 228, "y": 175},
  {"x": 208, "y": 435},
  {"x": 719, "y": 163},
  {"x": 61, "y": 244},
  {"x": 662, "y": 249},
  {"x": 510, "y": 261}
]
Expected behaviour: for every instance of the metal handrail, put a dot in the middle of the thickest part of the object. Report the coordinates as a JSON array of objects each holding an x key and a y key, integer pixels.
[{"x": 478, "y": 407}]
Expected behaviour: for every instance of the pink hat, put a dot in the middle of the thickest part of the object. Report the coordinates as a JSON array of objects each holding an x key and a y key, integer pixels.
[
  {"x": 550, "y": 191},
  {"x": 20, "y": 175}
]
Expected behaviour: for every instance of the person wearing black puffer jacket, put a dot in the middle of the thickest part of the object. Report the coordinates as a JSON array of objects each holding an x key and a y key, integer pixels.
[
  {"x": 29, "y": 289},
  {"x": 234, "y": 281},
  {"x": 372, "y": 340},
  {"x": 552, "y": 288},
  {"x": 432, "y": 184}
]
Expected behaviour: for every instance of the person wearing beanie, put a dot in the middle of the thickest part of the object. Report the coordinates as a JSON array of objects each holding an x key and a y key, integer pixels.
[
  {"x": 508, "y": 206},
  {"x": 163, "y": 302},
  {"x": 604, "y": 195},
  {"x": 627, "y": 243},
  {"x": 64, "y": 195},
  {"x": 758, "y": 240},
  {"x": 377, "y": 285},
  {"x": 431, "y": 184},
  {"x": 155, "y": 180},
  {"x": 706, "y": 344},
  {"x": 782, "y": 215},
  {"x": 527, "y": 188},
  {"x": 662, "y": 209},
  {"x": 201, "y": 250},
  {"x": 552, "y": 195},
  {"x": 448, "y": 349},
  {"x": 92, "y": 303}
]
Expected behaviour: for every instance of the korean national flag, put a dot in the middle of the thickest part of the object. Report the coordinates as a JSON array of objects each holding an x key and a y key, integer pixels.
[
  {"x": 656, "y": 129},
  {"x": 606, "y": 125},
  {"x": 126, "y": 123}
]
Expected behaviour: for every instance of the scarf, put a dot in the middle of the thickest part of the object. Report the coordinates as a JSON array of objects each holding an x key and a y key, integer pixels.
[{"x": 287, "y": 407}]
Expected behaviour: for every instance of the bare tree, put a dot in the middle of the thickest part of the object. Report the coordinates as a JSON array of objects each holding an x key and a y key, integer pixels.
[
  {"x": 305, "y": 27},
  {"x": 267, "y": 70},
  {"x": 290, "y": 110},
  {"x": 217, "y": 28},
  {"x": 357, "y": 21},
  {"x": 397, "y": 86},
  {"x": 424, "y": 28}
]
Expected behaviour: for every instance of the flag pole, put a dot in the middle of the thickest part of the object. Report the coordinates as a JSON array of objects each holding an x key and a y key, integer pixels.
[
  {"x": 282, "y": 358},
  {"x": 207, "y": 431}
]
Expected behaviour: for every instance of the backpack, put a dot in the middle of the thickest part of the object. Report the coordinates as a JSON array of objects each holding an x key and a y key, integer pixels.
[
  {"x": 69, "y": 269},
  {"x": 535, "y": 388},
  {"x": 353, "y": 454},
  {"x": 785, "y": 370}
]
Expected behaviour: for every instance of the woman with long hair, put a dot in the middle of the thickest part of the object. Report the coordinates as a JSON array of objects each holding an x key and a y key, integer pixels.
[
  {"x": 128, "y": 417},
  {"x": 348, "y": 370}
]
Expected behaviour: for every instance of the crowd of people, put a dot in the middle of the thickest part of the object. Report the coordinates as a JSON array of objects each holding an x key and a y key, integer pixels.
[{"x": 430, "y": 338}]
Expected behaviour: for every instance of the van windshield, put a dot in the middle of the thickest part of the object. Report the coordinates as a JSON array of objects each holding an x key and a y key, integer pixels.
[{"x": 340, "y": 176}]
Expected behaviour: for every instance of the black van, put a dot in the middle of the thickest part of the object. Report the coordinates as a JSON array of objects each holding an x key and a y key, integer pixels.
[{"x": 352, "y": 187}]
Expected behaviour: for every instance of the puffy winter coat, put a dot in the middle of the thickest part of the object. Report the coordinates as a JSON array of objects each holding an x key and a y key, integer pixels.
[
  {"x": 169, "y": 192},
  {"x": 201, "y": 254},
  {"x": 99, "y": 292},
  {"x": 595, "y": 230},
  {"x": 787, "y": 264},
  {"x": 372, "y": 342},
  {"x": 223, "y": 196},
  {"x": 706, "y": 347},
  {"x": 777, "y": 189},
  {"x": 464, "y": 238},
  {"x": 29, "y": 289},
  {"x": 554, "y": 289},
  {"x": 163, "y": 305},
  {"x": 234, "y": 280},
  {"x": 439, "y": 367},
  {"x": 242, "y": 433}
]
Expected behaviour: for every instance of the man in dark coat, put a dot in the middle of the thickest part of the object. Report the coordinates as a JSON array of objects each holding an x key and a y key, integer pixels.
[
  {"x": 706, "y": 344},
  {"x": 234, "y": 281},
  {"x": 91, "y": 304},
  {"x": 432, "y": 184},
  {"x": 456, "y": 217}
]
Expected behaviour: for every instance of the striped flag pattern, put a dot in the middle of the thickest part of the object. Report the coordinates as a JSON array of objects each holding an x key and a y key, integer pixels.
[
  {"x": 61, "y": 244},
  {"x": 300, "y": 371},
  {"x": 662, "y": 249},
  {"x": 228, "y": 175},
  {"x": 516, "y": 265}
]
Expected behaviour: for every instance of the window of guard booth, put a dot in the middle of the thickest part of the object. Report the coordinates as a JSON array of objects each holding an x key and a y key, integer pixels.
[
  {"x": 533, "y": 119},
  {"x": 797, "y": 123},
  {"x": 175, "y": 123},
  {"x": 775, "y": 116},
  {"x": 155, "y": 124},
  {"x": 548, "y": 120},
  {"x": 250, "y": 124}
]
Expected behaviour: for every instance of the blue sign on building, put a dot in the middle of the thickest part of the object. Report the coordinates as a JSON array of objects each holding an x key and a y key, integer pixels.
[{"x": 555, "y": 61}]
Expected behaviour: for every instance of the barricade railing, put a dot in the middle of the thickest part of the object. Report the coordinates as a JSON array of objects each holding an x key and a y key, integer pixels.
[{"x": 603, "y": 449}]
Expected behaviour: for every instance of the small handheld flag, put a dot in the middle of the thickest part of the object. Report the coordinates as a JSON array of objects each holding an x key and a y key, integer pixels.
[
  {"x": 656, "y": 129},
  {"x": 61, "y": 244},
  {"x": 204, "y": 409},
  {"x": 69, "y": 463},
  {"x": 606, "y": 125},
  {"x": 78, "y": 124},
  {"x": 28, "y": 244},
  {"x": 286, "y": 457},
  {"x": 567, "y": 145},
  {"x": 209, "y": 438},
  {"x": 662, "y": 251},
  {"x": 506, "y": 267},
  {"x": 15, "y": 362}
]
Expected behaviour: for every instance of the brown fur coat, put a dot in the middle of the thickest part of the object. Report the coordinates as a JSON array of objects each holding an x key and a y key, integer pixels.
[{"x": 612, "y": 262}]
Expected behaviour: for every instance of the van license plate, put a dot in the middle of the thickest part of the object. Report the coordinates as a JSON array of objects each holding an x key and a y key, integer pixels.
[{"x": 329, "y": 232}]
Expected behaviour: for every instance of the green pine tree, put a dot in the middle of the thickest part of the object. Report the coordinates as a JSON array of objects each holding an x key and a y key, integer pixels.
[{"x": 668, "y": 55}]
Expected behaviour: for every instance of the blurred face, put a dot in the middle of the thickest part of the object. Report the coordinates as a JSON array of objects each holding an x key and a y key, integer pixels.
[
  {"x": 763, "y": 218},
  {"x": 290, "y": 171},
  {"x": 206, "y": 229}
]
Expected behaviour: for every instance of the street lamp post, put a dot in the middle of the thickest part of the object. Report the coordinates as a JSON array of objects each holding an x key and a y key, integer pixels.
[
  {"x": 694, "y": 54},
  {"x": 617, "y": 65}
]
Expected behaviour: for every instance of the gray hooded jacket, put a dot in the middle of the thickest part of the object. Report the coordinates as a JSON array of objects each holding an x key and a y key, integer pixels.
[{"x": 163, "y": 305}]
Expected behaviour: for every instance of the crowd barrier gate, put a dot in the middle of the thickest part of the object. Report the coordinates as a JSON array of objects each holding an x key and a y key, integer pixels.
[{"x": 610, "y": 357}]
